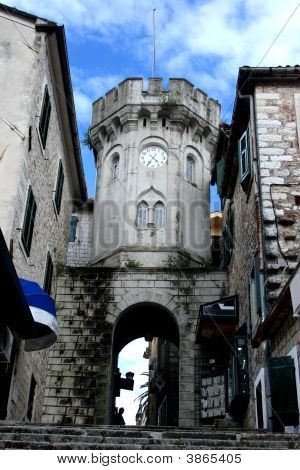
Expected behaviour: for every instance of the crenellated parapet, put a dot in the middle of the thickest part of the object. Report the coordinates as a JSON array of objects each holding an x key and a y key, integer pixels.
[{"x": 183, "y": 104}]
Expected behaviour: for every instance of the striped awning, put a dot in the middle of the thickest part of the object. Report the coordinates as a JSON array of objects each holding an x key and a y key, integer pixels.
[{"x": 42, "y": 308}]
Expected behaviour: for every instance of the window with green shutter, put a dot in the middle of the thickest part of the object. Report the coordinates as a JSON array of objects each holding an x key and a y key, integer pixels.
[
  {"x": 48, "y": 274},
  {"x": 28, "y": 223},
  {"x": 45, "y": 117},
  {"x": 245, "y": 164},
  {"x": 59, "y": 187},
  {"x": 255, "y": 295},
  {"x": 73, "y": 228},
  {"x": 220, "y": 169}
]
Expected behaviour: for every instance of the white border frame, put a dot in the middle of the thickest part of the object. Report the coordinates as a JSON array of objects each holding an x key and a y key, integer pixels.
[{"x": 261, "y": 378}]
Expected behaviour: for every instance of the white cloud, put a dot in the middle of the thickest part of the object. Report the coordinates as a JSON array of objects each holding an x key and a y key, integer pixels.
[
  {"x": 83, "y": 106},
  {"x": 205, "y": 40},
  {"x": 131, "y": 360},
  {"x": 86, "y": 90}
]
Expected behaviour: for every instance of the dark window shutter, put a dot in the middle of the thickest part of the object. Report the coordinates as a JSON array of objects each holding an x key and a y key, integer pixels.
[
  {"x": 220, "y": 168},
  {"x": 283, "y": 390},
  {"x": 59, "y": 187},
  {"x": 28, "y": 223},
  {"x": 73, "y": 228},
  {"x": 245, "y": 165},
  {"x": 45, "y": 117},
  {"x": 257, "y": 283},
  {"x": 48, "y": 274}
]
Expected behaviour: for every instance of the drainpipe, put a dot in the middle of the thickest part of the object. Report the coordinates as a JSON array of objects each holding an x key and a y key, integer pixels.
[{"x": 261, "y": 253}]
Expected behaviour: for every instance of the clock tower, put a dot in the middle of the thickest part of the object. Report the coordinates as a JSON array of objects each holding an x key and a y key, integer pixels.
[
  {"x": 153, "y": 156},
  {"x": 144, "y": 271}
]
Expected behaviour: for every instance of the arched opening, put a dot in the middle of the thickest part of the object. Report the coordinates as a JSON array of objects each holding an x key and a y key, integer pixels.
[{"x": 158, "y": 326}]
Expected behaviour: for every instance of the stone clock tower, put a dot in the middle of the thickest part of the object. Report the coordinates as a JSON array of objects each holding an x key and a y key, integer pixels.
[
  {"x": 141, "y": 255},
  {"x": 154, "y": 149}
]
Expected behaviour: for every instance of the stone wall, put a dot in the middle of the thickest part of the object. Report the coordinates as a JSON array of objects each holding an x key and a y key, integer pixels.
[
  {"x": 38, "y": 167},
  {"x": 90, "y": 302},
  {"x": 79, "y": 250},
  {"x": 280, "y": 180}
]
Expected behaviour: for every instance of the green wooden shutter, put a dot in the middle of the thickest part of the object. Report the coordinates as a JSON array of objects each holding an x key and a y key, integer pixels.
[
  {"x": 220, "y": 168},
  {"x": 257, "y": 283},
  {"x": 59, "y": 187},
  {"x": 45, "y": 117},
  {"x": 48, "y": 274},
  {"x": 73, "y": 228},
  {"x": 245, "y": 165},
  {"x": 28, "y": 223},
  {"x": 283, "y": 390}
]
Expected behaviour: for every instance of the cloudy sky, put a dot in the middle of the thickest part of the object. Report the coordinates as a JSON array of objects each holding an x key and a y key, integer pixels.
[{"x": 204, "y": 41}]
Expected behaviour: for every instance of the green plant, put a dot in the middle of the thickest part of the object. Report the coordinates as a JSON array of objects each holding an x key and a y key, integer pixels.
[
  {"x": 168, "y": 101},
  {"x": 87, "y": 141},
  {"x": 132, "y": 263}
]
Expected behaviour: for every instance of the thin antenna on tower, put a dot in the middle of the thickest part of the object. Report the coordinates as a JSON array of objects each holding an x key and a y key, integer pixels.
[{"x": 153, "y": 70}]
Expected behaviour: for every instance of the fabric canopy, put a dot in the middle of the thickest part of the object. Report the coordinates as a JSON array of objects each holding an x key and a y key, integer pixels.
[{"x": 42, "y": 308}]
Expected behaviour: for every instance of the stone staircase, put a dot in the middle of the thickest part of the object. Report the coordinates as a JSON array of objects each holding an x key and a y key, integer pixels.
[{"x": 60, "y": 437}]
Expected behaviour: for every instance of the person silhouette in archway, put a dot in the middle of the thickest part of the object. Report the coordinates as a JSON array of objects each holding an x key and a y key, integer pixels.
[{"x": 118, "y": 418}]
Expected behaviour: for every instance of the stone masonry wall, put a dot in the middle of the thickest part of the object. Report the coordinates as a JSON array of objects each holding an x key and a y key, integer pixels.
[
  {"x": 90, "y": 301},
  {"x": 280, "y": 180},
  {"x": 244, "y": 248},
  {"x": 79, "y": 250},
  {"x": 39, "y": 169}
]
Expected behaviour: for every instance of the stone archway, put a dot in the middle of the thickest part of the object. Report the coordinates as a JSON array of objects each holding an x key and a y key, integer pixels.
[{"x": 150, "y": 320}]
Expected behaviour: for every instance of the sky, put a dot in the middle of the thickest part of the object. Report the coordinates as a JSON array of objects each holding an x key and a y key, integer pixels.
[{"x": 204, "y": 41}]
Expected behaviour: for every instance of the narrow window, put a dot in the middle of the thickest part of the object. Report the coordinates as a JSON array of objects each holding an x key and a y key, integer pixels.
[
  {"x": 142, "y": 214},
  {"x": 255, "y": 295},
  {"x": 45, "y": 117},
  {"x": 144, "y": 122},
  {"x": 163, "y": 122},
  {"x": 116, "y": 168},
  {"x": 59, "y": 187},
  {"x": 28, "y": 223},
  {"x": 73, "y": 228},
  {"x": 244, "y": 160},
  {"x": 189, "y": 169},
  {"x": 48, "y": 274},
  {"x": 29, "y": 138},
  {"x": 29, "y": 412},
  {"x": 159, "y": 215}
]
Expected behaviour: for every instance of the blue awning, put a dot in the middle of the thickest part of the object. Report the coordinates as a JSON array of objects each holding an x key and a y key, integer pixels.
[{"x": 42, "y": 308}]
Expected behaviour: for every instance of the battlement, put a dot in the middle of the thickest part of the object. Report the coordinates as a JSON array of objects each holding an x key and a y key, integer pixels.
[{"x": 180, "y": 92}]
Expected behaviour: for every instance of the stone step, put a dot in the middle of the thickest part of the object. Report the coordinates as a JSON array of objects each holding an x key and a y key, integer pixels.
[{"x": 45, "y": 437}]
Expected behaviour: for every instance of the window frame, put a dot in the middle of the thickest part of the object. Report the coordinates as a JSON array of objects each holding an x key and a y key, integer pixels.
[
  {"x": 244, "y": 160},
  {"x": 45, "y": 117},
  {"x": 116, "y": 167},
  {"x": 28, "y": 221},
  {"x": 142, "y": 206},
  {"x": 190, "y": 165},
  {"x": 159, "y": 207}
]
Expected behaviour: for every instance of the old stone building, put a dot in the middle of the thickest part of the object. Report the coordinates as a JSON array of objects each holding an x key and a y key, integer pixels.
[
  {"x": 150, "y": 267},
  {"x": 258, "y": 177},
  {"x": 41, "y": 184}
]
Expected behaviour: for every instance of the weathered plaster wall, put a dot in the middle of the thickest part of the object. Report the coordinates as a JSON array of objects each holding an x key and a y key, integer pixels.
[{"x": 25, "y": 73}]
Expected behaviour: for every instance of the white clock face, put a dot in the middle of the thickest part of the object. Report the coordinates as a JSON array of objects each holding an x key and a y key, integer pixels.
[{"x": 153, "y": 156}]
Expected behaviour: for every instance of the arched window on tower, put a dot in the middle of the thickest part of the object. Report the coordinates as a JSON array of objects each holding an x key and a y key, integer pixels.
[
  {"x": 159, "y": 215},
  {"x": 189, "y": 171},
  {"x": 116, "y": 167},
  {"x": 142, "y": 214}
]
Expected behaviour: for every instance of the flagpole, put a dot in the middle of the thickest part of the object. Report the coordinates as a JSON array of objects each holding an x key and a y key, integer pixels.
[{"x": 154, "y": 58}]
